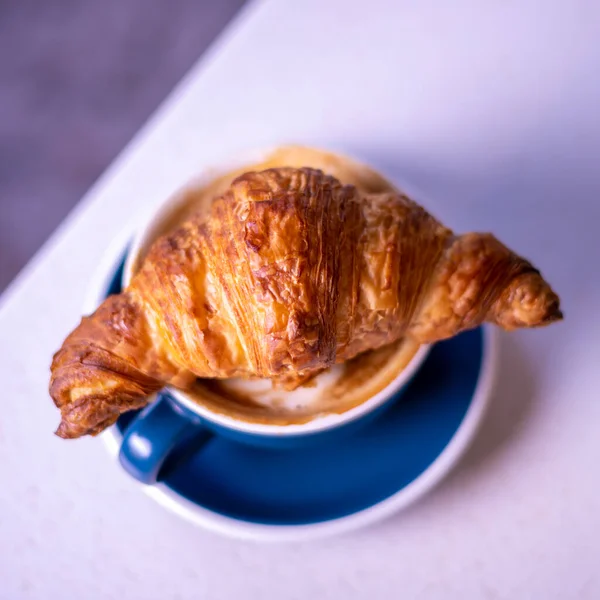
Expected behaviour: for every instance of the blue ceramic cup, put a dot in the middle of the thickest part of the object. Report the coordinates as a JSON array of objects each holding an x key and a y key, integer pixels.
[{"x": 174, "y": 424}]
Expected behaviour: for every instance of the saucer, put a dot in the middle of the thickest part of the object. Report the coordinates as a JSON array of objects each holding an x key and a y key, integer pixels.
[{"x": 257, "y": 493}]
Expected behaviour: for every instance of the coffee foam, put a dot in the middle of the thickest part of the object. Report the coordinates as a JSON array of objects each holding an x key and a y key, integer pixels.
[{"x": 337, "y": 390}]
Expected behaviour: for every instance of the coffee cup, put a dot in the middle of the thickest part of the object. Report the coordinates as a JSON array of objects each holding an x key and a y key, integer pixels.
[{"x": 337, "y": 402}]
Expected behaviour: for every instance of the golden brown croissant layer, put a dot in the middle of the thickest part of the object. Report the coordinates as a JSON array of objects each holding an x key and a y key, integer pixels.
[{"x": 289, "y": 273}]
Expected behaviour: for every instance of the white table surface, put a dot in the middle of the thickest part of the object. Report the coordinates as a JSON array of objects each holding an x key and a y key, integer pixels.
[{"x": 490, "y": 111}]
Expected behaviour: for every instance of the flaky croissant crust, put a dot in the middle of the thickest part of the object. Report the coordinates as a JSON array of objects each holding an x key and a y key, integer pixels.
[{"x": 288, "y": 273}]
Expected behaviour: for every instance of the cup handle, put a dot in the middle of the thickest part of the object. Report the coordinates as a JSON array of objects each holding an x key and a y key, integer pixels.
[{"x": 160, "y": 436}]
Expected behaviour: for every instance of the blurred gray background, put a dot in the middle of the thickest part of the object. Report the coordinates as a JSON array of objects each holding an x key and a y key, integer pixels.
[{"x": 77, "y": 79}]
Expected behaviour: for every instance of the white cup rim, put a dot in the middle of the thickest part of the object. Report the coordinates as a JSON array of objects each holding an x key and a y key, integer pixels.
[{"x": 146, "y": 229}]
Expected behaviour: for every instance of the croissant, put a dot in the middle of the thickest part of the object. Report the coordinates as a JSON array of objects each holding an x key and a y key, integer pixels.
[{"x": 288, "y": 273}]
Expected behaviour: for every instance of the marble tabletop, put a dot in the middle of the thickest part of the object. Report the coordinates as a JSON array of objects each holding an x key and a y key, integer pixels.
[{"x": 487, "y": 113}]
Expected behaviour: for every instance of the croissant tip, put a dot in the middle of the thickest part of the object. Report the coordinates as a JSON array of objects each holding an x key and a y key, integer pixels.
[
  {"x": 528, "y": 301},
  {"x": 553, "y": 313},
  {"x": 62, "y": 431},
  {"x": 553, "y": 317}
]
